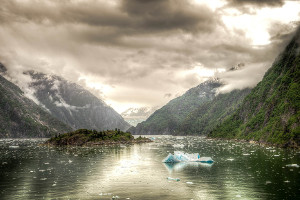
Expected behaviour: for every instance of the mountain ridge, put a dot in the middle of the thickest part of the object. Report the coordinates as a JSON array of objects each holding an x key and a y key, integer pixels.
[
  {"x": 22, "y": 117},
  {"x": 72, "y": 104},
  {"x": 207, "y": 116},
  {"x": 270, "y": 113},
  {"x": 166, "y": 119}
]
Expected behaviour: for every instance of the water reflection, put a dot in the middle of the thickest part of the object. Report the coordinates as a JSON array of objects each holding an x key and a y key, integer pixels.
[
  {"x": 240, "y": 170},
  {"x": 134, "y": 173},
  {"x": 179, "y": 166}
]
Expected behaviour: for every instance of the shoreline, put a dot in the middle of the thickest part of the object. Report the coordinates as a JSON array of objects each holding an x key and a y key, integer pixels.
[
  {"x": 260, "y": 143},
  {"x": 85, "y": 137},
  {"x": 99, "y": 143},
  {"x": 291, "y": 145}
]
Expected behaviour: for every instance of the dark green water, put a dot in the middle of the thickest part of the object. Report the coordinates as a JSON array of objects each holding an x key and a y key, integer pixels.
[{"x": 240, "y": 171}]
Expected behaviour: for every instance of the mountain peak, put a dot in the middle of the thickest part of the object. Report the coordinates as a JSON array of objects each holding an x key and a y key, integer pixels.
[
  {"x": 237, "y": 67},
  {"x": 2, "y": 68},
  {"x": 73, "y": 104},
  {"x": 21, "y": 117},
  {"x": 166, "y": 119}
]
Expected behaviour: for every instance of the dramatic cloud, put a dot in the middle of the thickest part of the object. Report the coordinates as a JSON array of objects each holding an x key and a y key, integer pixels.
[
  {"x": 256, "y": 2},
  {"x": 137, "y": 53}
]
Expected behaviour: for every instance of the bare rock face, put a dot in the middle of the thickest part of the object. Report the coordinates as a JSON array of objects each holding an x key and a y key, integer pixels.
[
  {"x": 21, "y": 117},
  {"x": 74, "y": 105}
]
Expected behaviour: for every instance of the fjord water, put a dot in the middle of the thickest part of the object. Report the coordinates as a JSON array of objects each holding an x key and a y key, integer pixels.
[{"x": 240, "y": 171}]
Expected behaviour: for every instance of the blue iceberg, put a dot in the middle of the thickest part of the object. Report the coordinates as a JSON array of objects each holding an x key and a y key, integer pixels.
[
  {"x": 186, "y": 157},
  {"x": 179, "y": 166},
  {"x": 205, "y": 160}
]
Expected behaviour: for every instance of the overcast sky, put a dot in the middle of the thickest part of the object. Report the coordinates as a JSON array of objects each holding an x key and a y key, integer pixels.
[{"x": 135, "y": 53}]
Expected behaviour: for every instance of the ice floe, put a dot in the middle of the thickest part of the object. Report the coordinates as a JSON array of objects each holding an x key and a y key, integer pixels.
[
  {"x": 178, "y": 145},
  {"x": 179, "y": 156},
  {"x": 292, "y": 165},
  {"x": 173, "y": 179}
]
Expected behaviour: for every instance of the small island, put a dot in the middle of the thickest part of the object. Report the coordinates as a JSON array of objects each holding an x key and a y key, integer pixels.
[{"x": 84, "y": 137}]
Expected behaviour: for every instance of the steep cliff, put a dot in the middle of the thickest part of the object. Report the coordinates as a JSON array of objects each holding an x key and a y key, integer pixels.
[
  {"x": 167, "y": 119},
  {"x": 207, "y": 116},
  {"x": 270, "y": 113},
  {"x": 74, "y": 105},
  {"x": 21, "y": 117}
]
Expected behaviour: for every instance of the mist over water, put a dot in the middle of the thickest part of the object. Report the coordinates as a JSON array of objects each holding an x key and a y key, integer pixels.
[{"x": 240, "y": 171}]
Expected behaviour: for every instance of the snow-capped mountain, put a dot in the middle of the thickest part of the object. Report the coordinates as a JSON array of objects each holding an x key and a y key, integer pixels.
[
  {"x": 21, "y": 117},
  {"x": 136, "y": 115},
  {"x": 72, "y": 104}
]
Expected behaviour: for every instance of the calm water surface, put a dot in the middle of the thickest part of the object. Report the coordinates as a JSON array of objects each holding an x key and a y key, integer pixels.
[{"x": 240, "y": 171}]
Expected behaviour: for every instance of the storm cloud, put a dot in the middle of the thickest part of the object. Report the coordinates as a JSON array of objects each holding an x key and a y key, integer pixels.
[
  {"x": 134, "y": 52},
  {"x": 256, "y": 2}
]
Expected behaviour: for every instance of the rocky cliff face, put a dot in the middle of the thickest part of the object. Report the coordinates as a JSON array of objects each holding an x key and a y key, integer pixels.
[
  {"x": 271, "y": 112},
  {"x": 168, "y": 118},
  {"x": 21, "y": 117},
  {"x": 74, "y": 105}
]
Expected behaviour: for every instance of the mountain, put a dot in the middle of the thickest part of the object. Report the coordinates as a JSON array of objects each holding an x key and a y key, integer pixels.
[
  {"x": 2, "y": 69},
  {"x": 166, "y": 119},
  {"x": 136, "y": 115},
  {"x": 72, "y": 104},
  {"x": 207, "y": 116},
  {"x": 21, "y": 117},
  {"x": 270, "y": 113}
]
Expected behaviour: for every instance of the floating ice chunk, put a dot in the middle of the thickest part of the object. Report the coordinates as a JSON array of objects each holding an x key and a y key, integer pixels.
[
  {"x": 105, "y": 194},
  {"x": 292, "y": 165},
  {"x": 185, "y": 157},
  {"x": 206, "y": 160},
  {"x": 173, "y": 179},
  {"x": 13, "y": 147},
  {"x": 171, "y": 159},
  {"x": 268, "y": 182},
  {"x": 178, "y": 145},
  {"x": 179, "y": 166}
]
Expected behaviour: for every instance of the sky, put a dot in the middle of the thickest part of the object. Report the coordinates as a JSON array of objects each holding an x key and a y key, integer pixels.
[{"x": 143, "y": 53}]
